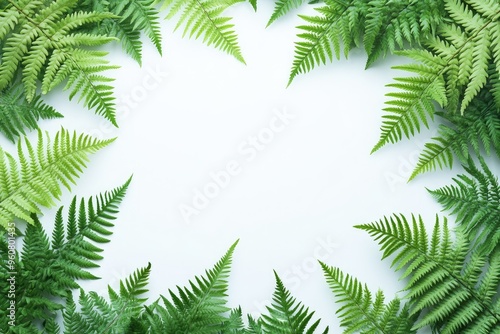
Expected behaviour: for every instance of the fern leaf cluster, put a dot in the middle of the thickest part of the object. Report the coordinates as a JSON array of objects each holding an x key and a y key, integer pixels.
[
  {"x": 458, "y": 62},
  {"x": 361, "y": 312},
  {"x": 203, "y": 19},
  {"x": 97, "y": 315},
  {"x": 475, "y": 200},
  {"x": 476, "y": 132},
  {"x": 450, "y": 290},
  {"x": 17, "y": 114},
  {"x": 47, "y": 268},
  {"x": 383, "y": 26},
  {"x": 131, "y": 18},
  {"x": 35, "y": 179},
  {"x": 41, "y": 41}
]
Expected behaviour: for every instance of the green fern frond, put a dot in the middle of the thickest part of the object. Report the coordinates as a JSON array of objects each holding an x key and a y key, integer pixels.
[
  {"x": 132, "y": 18},
  {"x": 383, "y": 25},
  {"x": 98, "y": 316},
  {"x": 282, "y": 7},
  {"x": 413, "y": 104},
  {"x": 197, "y": 309},
  {"x": 477, "y": 129},
  {"x": 360, "y": 312},
  {"x": 43, "y": 41},
  {"x": 48, "y": 268},
  {"x": 286, "y": 315},
  {"x": 35, "y": 179},
  {"x": 452, "y": 291},
  {"x": 17, "y": 114},
  {"x": 203, "y": 19},
  {"x": 475, "y": 200},
  {"x": 254, "y": 4},
  {"x": 455, "y": 67}
]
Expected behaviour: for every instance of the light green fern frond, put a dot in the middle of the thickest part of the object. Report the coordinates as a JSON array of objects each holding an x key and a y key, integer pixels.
[
  {"x": 413, "y": 104},
  {"x": 17, "y": 114},
  {"x": 286, "y": 315},
  {"x": 203, "y": 19},
  {"x": 197, "y": 309},
  {"x": 383, "y": 25},
  {"x": 360, "y": 312},
  {"x": 282, "y": 7},
  {"x": 475, "y": 200},
  {"x": 35, "y": 179},
  {"x": 41, "y": 41},
  {"x": 452, "y": 291},
  {"x": 99, "y": 316}
]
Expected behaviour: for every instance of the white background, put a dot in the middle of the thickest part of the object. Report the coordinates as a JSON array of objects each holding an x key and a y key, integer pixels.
[{"x": 307, "y": 187}]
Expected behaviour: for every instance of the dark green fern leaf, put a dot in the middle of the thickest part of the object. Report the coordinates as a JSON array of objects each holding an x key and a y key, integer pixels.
[
  {"x": 48, "y": 269},
  {"x": 99, "y": 316},
  {"x": 477, "y": 130},
  {"x": 17, "y": 114},
  {"x": 452, "y": 290},
  {"x": 360, "y": 312},
  {"x": 42, "y": 41},
  {"x": 36, "y": 179},
  {"x": 199, "y": 308},
  {"x": 384, "y": 26},
  {"x": 286, "y": 315},
  {"x": 254, "y": 4},
  {"x": 203, "y": 19},
  {"x": 475, "y": 200}
]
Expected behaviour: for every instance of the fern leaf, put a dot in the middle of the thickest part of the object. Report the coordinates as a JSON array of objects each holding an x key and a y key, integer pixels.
[
  {"x": 43, "y": 42},
  {"x": 141, "y": 15},
  {"x": 413, "y": 104},
  {"x": 475, "y": 200},
  {"x": 282, "y": 7},
  {"x": 360, "y": 312},
  {"x": 478, "y": 129},
  {"x": 454, "y": 69},
  {"x": 203, "y": 19},
  {"x": 254, "y": 4},
  {"x": 199, "y": 308},
  {"x": 36, "y": 179},
  {"x": 385, "y": 26},
  {"x": 100, "y": 316},
  {"x": 445, "y": 285},
  {"x": 286, "y": 315},
  {"x": 17, "y": 114}
]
